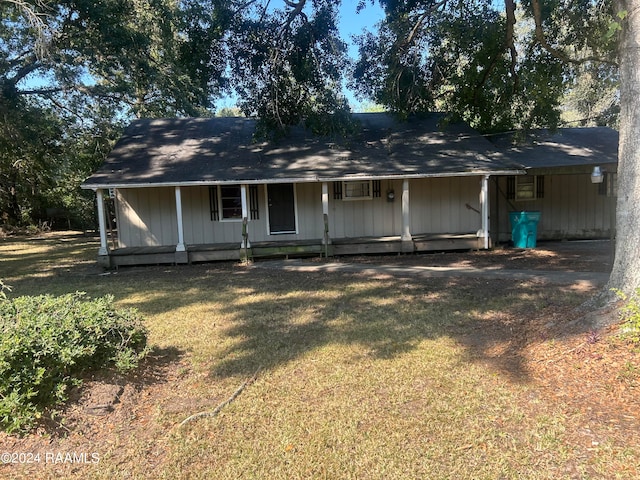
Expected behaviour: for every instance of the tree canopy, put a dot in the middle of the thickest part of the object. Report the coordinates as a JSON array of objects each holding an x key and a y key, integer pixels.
[
  {"x": 288, "y": 66},
  {"x": 73, "y": 71},
  {"x": 497, "y": 67}
]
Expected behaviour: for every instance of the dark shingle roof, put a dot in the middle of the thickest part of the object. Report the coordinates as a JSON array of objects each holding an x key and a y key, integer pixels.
[
  {"x": 567, "y": 147},
  {"x": 217, "y": 150}
]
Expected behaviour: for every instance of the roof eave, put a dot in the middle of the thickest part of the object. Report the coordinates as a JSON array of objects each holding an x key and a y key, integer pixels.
[{"x": 317, "y": 179}]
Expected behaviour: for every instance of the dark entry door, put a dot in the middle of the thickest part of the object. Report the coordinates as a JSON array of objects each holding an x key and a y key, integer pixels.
[{"x": 282, "y": 212}]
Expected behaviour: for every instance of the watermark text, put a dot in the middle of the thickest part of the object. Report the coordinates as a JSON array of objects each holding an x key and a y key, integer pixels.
[{"x": 53, "y": 458}]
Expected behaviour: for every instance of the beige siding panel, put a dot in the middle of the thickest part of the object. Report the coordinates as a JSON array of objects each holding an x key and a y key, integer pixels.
[
  {"x": 200, "y": 229},
  {"x": 571, "y": 209},
  {"x": 309, "y": 208},
  {"x": 258, "y": 228},
  {"x": 370, "y": 217},
  {"x": 224, "y": 231},
  {"x": 196, "y": 214},
  {"x": 147, "y": 217},
  {"x": 390, "y": 214}
]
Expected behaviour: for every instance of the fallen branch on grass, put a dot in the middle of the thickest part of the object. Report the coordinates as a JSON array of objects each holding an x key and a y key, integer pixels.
[{"x": 215, "y": 412}]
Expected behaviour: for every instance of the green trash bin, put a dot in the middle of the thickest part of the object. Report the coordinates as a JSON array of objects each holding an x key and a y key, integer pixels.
[{"x": 524, "y": 228}]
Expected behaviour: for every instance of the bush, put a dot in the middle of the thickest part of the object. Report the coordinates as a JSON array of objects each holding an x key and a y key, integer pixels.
[
  {"x": 630, "y": 314},
  {"x": 47, "y": 343}
]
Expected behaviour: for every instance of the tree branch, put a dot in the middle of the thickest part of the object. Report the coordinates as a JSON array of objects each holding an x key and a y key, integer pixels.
[
  {"x": 297, "y": 10},
  {"x": 215, "y": 411},
  {"x": 264, "y": 11},
  {"x": 420, "y": 21},
  {"x": 416, "y": 27},
  {"x": 35, "y": 19},
  {"x": 52, "y": 90},
  {"x": 510, "y": 11},
  {"x": 24, "y": 71}
]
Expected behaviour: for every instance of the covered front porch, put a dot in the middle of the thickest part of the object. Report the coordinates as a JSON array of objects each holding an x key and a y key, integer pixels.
[
  {"x": 247, "y": 240},
  {"x": 161, "y": 255}
]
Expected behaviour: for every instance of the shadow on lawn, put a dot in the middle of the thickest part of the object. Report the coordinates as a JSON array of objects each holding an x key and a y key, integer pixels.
[
  {"x": 273, "y": 317},
  {"x": 491, "y": 321},
  {"x": 48, "y": 255}
]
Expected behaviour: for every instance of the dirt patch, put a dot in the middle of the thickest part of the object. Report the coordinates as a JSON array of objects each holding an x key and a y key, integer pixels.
[{"x": 569, "y": 256}]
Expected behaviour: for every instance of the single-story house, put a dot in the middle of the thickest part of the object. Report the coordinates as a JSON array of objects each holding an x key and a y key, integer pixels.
[{"x": 201, "y": 189}]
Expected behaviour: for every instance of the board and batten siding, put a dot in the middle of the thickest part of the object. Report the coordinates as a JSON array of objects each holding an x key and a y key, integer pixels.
[
  {"x": 366, "y": 217},
  {"x": 445, "y": 205},
  {"x": 146, "y": 217},
  {"x": 436, "y": 205},
  {"x": 200, "y": 229},
  {"x": 571, "y": 208}
]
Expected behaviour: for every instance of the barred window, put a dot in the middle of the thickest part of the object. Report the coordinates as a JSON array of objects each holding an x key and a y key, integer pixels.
[
  {"x": 225, "y": 202},
  {"x": 525, "y": 187}
]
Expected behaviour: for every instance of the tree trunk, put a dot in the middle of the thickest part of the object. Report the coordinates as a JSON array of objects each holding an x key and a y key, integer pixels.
[{"x": 625, "y": 275}]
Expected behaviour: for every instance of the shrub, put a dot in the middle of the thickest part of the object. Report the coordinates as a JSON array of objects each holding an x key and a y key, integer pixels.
[
  {"x": 47, "y": 343},
  {"x": 630, "y": 314}
]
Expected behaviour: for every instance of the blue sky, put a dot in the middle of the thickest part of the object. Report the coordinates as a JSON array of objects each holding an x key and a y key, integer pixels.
[
  {"x": 352, "y": 23},
  {"x": 349, "y": 23}
]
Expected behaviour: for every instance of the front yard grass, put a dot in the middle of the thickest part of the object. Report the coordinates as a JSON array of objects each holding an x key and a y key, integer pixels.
[{"x": 369, "y": 377}]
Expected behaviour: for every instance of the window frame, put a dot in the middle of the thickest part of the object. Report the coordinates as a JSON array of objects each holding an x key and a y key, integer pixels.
[
  {"x": 530, "y": 186},
  {"x": 346, "y": 190},
  {"x": 215, "y": 203},
  {"x": 534, "y": 184},
  {"x": 237, "y": 198}
]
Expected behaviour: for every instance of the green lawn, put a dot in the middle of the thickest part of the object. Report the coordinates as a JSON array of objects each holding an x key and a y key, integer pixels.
[{"x": 359, "y": 377}]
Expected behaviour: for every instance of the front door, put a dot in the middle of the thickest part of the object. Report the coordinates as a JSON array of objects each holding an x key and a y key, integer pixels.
[{"x": 282, "y": 212}]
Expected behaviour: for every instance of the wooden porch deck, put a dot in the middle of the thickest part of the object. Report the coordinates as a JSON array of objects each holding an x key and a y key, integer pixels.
[{"x": 155, "y": 255}]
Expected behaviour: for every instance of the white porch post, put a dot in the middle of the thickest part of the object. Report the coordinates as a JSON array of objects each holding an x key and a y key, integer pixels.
[
  {"x": 102, "y": 224},
  {"x": 406, "y": 231},
  {"x": 245, "y": 217},
  {"x": 325, "y": 213},
  {"x": 180, "y": 247},
  {"x": 484, "y": 207},
  {"x": 325, "y": 198}
]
